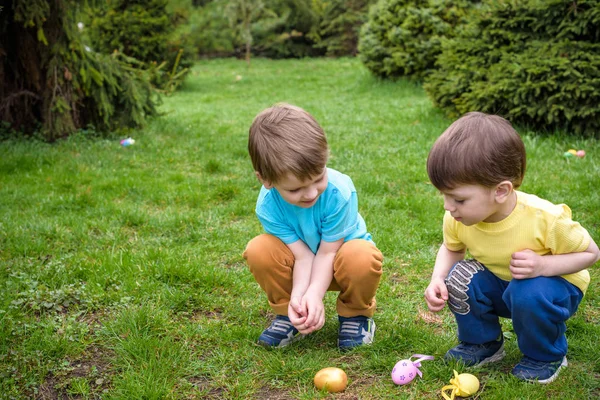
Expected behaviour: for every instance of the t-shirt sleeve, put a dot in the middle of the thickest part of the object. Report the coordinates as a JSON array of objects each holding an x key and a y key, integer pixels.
[
  {"x": 451, "y": 240},
  {"x": 274, "y": 223},
  {"x": 341, "y": 218},
  {"x": 565, "y": 235}
]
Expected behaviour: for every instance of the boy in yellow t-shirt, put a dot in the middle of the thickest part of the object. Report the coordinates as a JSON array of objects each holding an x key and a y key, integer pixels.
[{"x": 529, "y": 258}]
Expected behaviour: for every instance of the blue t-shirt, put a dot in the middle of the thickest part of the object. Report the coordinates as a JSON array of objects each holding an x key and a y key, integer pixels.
[{"x": 334, "y": 216}]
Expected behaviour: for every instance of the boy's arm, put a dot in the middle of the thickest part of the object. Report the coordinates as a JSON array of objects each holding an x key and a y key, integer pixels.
[
  {"x": 436, "y": 293},
  {"x": 320, "y": 279},
  {"x": 322, "y": 270},
  {"x": 528, "y": 264},
  {"x": 302, "y": 267},
  {"x": 300, "y": 279}
]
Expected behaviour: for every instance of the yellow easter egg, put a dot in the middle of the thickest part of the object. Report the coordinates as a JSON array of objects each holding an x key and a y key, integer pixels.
[
  {"x": 573, "y": 151},
  {"x": 466, "y": 384},
  {"x": 331, "y": 379}
]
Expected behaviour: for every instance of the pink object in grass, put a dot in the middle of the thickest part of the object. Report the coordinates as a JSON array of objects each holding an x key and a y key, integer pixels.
[
  {"x": 127, "y": 142},
  {"x": 406, "y": 370},
  {"x": 580, "y": 153}
]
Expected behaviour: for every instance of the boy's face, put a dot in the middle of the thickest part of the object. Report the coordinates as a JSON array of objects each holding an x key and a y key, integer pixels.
[
  {"x": 471, "y": 204},
  {"x": 301, "y": 193}
]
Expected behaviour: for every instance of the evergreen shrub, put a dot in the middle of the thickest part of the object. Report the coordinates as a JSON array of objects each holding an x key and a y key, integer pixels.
[
  {"x": 535, "y": 62},
  {"x": 287, "y": 35},
  {"x": 210, "y": 32},
  {"x": 50, "y": 83},
  {"x": 339, "y": 26},
  {"x": 141, "y": 29},
  {"x": 404, "y": 37}
]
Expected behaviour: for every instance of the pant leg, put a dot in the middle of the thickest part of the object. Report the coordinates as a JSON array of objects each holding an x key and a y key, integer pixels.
[
  {"x": 540, "y": 308},
  {"x": 272, "y": 264},
  {"x": 475, "y": 299},
  {"x": 356, "y": 272}
]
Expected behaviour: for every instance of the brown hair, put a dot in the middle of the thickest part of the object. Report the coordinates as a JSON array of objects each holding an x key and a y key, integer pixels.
[
  {"x": 479, "y": 149},
  {"x": 286, "y": 139}
]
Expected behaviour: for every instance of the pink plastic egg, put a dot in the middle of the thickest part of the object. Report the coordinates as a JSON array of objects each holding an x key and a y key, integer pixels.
[
  {"x": 406, "y": 370},
  {"x": 580, "y": 153}
]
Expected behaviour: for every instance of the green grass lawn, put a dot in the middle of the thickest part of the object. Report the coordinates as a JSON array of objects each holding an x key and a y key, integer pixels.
[{"x": 121, "y": 271}]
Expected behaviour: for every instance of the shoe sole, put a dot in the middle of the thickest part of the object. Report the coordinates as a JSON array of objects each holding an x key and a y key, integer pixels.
[{"x": 563, "y": 364}]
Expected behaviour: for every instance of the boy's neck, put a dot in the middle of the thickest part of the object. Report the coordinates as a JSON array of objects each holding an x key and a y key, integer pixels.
[{"x": 507, "y": 207}]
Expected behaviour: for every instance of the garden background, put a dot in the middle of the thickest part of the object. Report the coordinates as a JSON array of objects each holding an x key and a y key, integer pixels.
[{"x": 121, "y": 272}]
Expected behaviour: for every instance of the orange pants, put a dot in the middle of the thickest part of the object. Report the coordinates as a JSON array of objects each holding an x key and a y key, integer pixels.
[{"x": 356, "y": 274}]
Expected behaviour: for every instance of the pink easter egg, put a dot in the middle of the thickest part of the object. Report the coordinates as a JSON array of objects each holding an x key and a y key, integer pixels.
[
  {"x": 580, "y": 153},
  {"x": 404, "y": 372}
]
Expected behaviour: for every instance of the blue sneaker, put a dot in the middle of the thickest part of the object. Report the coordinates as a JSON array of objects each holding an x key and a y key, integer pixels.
[
  {"x": 476, "y": 355},
  {"x": 532, "y": 370},
  {"x": 355, "y": 331},
  {"x": 280, "y": 333}
]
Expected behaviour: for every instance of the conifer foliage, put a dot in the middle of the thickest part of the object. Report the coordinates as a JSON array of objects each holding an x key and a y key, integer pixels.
[
  {"x": 534, "y": 62},
  {"x": 340, "y": 25},
  {"x": 50, "y": 82},
  {"x": 141, "y": 29},
  {"x": 404, "y": 37}
]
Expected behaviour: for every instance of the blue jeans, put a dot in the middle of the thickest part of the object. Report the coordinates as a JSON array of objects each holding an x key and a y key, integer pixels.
[{"x": 539, "y": 308}]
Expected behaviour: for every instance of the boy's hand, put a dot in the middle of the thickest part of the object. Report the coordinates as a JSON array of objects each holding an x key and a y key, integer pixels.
[
  {"x": 526, "y": 264},
  {"x": 436, "y": 295},
  {"x": 315, "y": 317},
  {"x": 296, "y": 312}
]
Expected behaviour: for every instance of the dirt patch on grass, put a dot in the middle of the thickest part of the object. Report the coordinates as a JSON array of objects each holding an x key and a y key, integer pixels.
[
  {"x": 93, "y": 367},
  {"x": 203, "y": 384}
]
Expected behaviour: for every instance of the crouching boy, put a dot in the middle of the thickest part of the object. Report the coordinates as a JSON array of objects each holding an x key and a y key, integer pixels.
[
  {"x": 315, "y": 238},
  {"x": 529, "y": 258}
]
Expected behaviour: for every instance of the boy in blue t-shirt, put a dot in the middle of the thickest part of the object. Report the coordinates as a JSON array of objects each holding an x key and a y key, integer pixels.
[{"x": 315, "y": 238}]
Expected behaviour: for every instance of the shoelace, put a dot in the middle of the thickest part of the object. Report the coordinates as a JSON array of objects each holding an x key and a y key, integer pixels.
[
  {"x": 350, "y": 328},
  {"x": 281, "y": 325}
]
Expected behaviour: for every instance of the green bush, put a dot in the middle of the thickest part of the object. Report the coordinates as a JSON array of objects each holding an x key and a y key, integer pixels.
[
  {"x": 340, "y": 24},
  {"x": 282, "y": 29},
  {"x": 535, "y": 62},
  {"x": 403, "y": 37},
  {"x": 141, "y": 29},
  {"x": 287, "y": 35},
  {"x": 210, "y": 32},
  {"x": 51, "y": 84},
  {"x": 277, "y": 28}
]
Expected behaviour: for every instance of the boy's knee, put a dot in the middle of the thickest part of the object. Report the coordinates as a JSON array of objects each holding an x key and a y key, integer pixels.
[
  {"x": 525, "y": 291},
  {"x": 458, "y": 283},
  {"x": 359, "y": 258},
  {"x": 259, "y": 252}
]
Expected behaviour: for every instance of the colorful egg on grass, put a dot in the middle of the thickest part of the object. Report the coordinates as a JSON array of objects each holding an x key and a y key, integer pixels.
[
  {"x": 331, "y": 379},
  {"x": 574, "y": 153},
  {"x": 406, "y": 370},
  {"x": 127, "y": 142},
  {"x": 463, "y": 385}
]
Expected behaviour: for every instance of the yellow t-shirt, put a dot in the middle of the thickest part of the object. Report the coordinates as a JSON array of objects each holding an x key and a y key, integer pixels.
[{"x": 534, "y": 224}]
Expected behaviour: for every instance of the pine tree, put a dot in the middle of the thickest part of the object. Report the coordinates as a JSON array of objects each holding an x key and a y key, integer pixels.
[{"x": 50, "y": 82}]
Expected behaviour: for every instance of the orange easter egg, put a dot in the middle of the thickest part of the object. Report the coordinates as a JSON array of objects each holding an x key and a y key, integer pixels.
[{"x": 331, "y": 379}]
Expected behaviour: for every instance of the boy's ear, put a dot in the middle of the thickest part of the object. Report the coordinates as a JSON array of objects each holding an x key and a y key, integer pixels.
[
  {"x": 503, "y": 191},
  {"x": 265, "y": 183}
]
